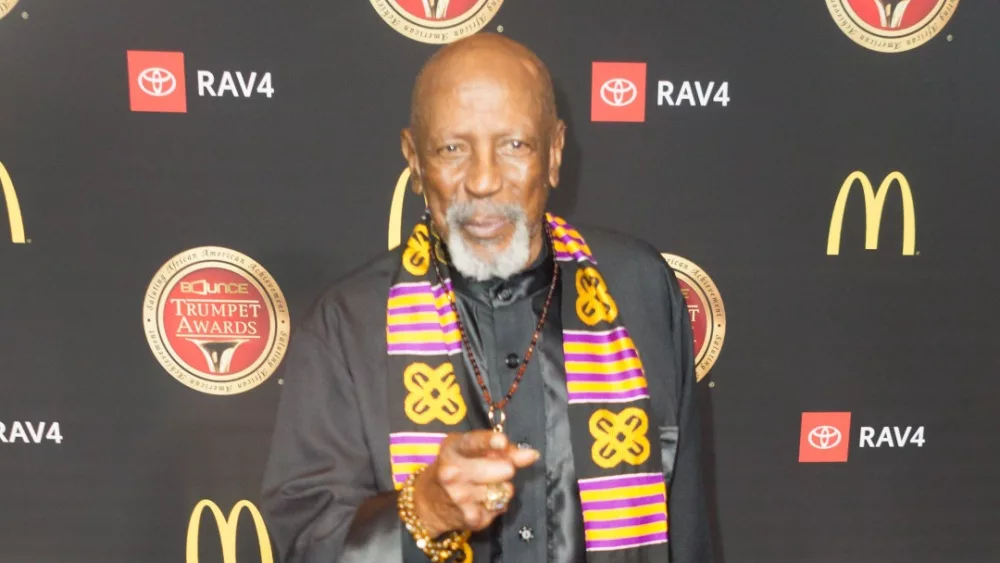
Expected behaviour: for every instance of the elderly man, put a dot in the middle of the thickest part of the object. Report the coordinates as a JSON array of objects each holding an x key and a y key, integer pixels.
[{"x": 503, "y": 387}]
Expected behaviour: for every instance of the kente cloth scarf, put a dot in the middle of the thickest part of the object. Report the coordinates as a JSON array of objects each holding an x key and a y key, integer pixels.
[{"x": 618, "y": 467}]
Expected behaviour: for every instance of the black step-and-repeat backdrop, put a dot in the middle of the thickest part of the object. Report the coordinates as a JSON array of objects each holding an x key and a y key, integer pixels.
[{"x": 822, "y": 175}]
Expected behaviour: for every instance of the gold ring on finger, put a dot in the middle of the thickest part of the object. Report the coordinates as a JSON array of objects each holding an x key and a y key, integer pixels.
[{"x": 496, "y": 497}]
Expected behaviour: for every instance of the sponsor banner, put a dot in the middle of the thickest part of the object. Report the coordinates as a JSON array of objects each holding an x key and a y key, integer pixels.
[
  {"x": 705, "y": 309},
  {"x": 157, "y": 82},
  {"x": 228, "y": 528},
  {"x": 437, "y": 21},
  {"x": 891, "y": 26},
  {"x": 216, "y": 320},
  {"x": 874, "y": 204},
  {"x": 692, "y": 93},
  {"x": 30, "y": 432},
  {"x": 618, "y": 92},
  {"x": 826, "y": 437}
]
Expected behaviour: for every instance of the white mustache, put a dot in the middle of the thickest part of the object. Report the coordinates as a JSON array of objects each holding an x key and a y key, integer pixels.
[{"x": 460, "y": 213}]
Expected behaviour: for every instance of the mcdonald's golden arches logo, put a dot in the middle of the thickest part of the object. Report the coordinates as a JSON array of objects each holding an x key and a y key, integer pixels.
[
  {"x": 13, "y": 207},
  {"x": 6, "y": 7},
  {"x": 874, "y": 203},
  {"x": 228, "y": 527}
]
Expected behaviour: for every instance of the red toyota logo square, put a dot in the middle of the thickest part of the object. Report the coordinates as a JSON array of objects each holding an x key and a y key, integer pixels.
[
  {"x": 156, "y": 81},
  {"x": 618, "y": 92},
  {"x": 825, "y": 437}
]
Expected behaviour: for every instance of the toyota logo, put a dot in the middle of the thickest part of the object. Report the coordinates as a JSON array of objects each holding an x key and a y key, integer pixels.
[
  {"x": 619, "y": 92},
  {"x": 157, "y": 82},
  {"x": 824, "y": 437}
]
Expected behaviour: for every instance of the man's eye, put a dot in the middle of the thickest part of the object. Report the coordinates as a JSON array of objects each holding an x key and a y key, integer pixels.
[
  {"x": 451, "y": 148},
  {"x": 516, "y": 144}
]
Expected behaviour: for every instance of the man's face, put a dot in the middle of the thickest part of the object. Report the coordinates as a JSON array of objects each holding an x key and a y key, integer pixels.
[{"x": 486, "y": 151}]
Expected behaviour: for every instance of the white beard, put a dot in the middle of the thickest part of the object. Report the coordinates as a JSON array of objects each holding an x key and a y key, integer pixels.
[{"x": 501, "y": 264}]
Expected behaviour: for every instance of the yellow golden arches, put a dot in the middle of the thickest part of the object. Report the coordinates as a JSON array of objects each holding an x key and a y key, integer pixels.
[
  {"x": 227, "y": 530},
  {"x": 619, "y": 437},
  {"x": 433, "y": 394},
  {"x": 593, "y": 303},
  {"x": 396, "y": 209},
  {"x": 13, "y": 207},
  {"x": 874, "y": 202}
]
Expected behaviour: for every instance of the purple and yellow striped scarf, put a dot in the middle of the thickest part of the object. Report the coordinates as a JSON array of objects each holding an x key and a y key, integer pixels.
[{"x": 618, "y": 466}]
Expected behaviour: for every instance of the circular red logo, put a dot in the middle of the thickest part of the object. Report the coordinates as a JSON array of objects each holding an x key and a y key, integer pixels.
[
  {"x": 216, "y": 320},
  {"x": 705, "y": 309},
  {"x": 437, "y": 21},
  {"x": 891, "y": 25}
]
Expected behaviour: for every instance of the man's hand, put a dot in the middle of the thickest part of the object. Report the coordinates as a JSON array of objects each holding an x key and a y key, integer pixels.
[{"x": 449, "y": 494}]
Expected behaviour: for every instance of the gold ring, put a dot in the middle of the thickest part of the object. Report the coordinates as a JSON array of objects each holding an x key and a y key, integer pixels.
[{"x": 496, "y": 497}]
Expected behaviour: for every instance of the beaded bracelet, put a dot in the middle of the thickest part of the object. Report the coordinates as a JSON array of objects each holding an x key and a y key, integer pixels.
[{"x": 437, "y": 551}]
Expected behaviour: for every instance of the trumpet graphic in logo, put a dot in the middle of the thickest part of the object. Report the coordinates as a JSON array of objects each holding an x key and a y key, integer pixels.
[
  {"x": 891, "y": 12},
  {"x": 228, "y": 527},
  {"x": 435, "y": 9},
  {"x": 437, "y": 21},
  {"x": 874, "y": 202},
  {"x": 13, "y": 207}
]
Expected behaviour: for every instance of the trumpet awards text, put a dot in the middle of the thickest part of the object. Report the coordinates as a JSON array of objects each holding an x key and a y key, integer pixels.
[{"x": 215, "y": 317}]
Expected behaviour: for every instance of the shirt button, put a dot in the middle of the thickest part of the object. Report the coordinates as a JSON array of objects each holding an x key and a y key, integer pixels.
[
  {"x": 512, "y": 360},
  {"x": 505, "y": 294},
  {"x": 526, "y": 533}
]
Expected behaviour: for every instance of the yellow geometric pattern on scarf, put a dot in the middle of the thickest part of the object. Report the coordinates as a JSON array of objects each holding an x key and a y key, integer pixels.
[
  {"x": 417, "y": 256},
  {"x": 619, "y": 437},
  {"x": 593, "y": 303},
  {"x": 434, "y": 394}
]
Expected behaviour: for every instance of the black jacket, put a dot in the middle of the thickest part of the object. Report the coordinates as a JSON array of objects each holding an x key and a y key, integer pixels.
[{"x": 328, "y": 494}]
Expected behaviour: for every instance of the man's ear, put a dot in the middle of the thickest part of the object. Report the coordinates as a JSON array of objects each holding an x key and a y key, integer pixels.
[
  {"x": 556, "y": 144},
  {"x": 409, "y": 147}
]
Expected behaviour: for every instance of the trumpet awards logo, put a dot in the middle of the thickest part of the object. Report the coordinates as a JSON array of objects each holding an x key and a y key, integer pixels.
[
  {"x": 216, "y": 320},
  {"x": 891, "y": 26},
  {"x": 705, "y": 309},
  {"x": 437, "y": 21},
  {"x": 228, "y": 527}
]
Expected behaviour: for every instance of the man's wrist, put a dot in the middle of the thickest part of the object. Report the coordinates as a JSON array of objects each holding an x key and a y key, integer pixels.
[
  {"x": 437, "y": 549},
  {"x": 422, "y": 508}
]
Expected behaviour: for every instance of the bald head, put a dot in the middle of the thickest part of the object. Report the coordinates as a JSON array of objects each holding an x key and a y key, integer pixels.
[{"x": 483, "y": 55}]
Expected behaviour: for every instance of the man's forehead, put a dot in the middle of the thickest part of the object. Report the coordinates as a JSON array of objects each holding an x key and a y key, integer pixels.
[
  {"x": 482, "y": 70},
  {"x": 482, "y": 97}
]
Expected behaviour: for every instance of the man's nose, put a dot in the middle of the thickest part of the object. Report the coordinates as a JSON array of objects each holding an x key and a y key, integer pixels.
[{"x": 483, "y": 179}]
